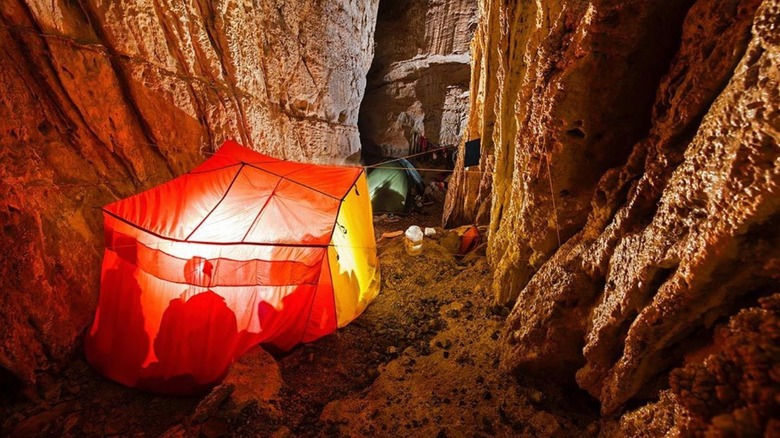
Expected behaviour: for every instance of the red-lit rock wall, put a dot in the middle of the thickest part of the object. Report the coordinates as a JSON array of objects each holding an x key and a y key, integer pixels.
[
  {"x": 102, "y": 99},
  {"x": 635, "y": 186}
]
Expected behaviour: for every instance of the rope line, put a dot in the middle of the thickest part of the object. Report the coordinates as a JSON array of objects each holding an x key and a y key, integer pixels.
[
  {"x": 45, "y": 185},
  {"x": 430, "y": 151},
  {"x": 552, "y": 196},
  {"x": 432, "y": 169}
]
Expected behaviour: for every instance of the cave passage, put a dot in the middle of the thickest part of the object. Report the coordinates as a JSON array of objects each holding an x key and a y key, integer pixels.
[
  {"x": 417, "y": 87},
  {"x": 606, "y": 265}
]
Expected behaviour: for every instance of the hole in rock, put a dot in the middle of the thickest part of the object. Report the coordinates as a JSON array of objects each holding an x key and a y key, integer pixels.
[
  {"x": 576, "y": 132},
  {"x": 10, "y": 385},
  {"x": 44, "y": 127}
]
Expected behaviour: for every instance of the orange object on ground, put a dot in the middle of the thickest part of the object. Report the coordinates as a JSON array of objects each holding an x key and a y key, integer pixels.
[
  {"x": 469, "y": 240},
  {"x": 245, "y": 249}
]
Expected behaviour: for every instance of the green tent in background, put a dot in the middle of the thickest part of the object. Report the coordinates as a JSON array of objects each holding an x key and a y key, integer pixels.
[{"x": 390, "y": 185}]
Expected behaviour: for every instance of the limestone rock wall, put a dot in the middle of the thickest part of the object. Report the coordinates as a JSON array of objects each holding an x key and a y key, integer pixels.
[
  {"x": 635, "y": 190},
  {"x": 419, "y": 78},
  {"x": 101, "y": 99},
  {"x": 732, "y": 392},
  {"x": 469, "y": 192},
  {"x": 567, "y": 93}
]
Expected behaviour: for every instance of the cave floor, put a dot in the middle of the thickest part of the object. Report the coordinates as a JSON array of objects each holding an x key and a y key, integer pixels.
[{"x": 421, "y": 361}]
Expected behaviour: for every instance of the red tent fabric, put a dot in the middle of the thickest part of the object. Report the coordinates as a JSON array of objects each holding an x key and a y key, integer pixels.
[{"x": 244, "y": 249}]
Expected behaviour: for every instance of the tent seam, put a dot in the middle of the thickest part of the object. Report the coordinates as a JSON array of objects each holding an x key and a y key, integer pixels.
[
  {"x": 171, "y": 239},
  {"x": 314, "y": 295},
  {"x": 300, "y": 183},
  {"x": 217, "y": 169},
  {"x": 333, "y": 286},
  {"x": 184, "y": 283},
  {"x": 226, "y": 258},
  {"x": 332, "y": 231},
  {"x": 341, "y": 202},
  {"x": 224, "y": 195},
  {"x": 262, "y": 209}
]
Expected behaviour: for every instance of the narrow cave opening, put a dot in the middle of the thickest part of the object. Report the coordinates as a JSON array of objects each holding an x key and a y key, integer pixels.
[
  {"x": 10, "y": 385},
  {"x": 417, "y": 88}
]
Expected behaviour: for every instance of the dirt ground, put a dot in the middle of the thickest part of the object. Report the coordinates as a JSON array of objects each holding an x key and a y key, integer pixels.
[{"x": 421, "y": 361}]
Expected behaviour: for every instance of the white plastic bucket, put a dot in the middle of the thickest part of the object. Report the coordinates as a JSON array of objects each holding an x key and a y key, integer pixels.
[{"x": 413, "y": 240}]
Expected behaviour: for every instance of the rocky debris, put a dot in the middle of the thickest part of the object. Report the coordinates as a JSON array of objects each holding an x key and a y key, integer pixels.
[
  {"x": 211, "y": 403},
  {"x": 419, "y": 78},
  {"x": 256, "y": 378},
  {"x": 42, "y": 423},
  {"x": 102, "y": 100},
  {"x": 448, "y": 387},
  {"x": 86, "y": 404},
  {"x": 247, "y": 400}
]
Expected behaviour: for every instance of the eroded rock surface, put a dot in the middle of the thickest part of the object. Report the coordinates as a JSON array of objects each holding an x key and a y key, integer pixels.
[
  {"x": 102, "y": 99},
  {"x": 636, "y": 178},
  {"x": 734, "y": 391},
  {"x": 555, "y": 85},
  {"x": 419, "y": 78}
]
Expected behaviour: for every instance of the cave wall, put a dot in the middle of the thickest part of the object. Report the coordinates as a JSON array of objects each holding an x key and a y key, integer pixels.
[
  {"x": 727, "y": 389},
  {"x": 102, "y": 99},
  {"x": 634, "y": 195},
  {"x": 469, "y": 192},
  {"x": 419, "y": 78}
]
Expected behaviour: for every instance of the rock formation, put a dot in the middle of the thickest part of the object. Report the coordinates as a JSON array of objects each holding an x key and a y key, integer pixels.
[
  {"x": 630, "y": 170},
  {"x": 469, "y": 193},
  {"x": 634, "y": 194},
  {"x": 734, "y": 391},
  {"x": 103, "y": 99},
  {"x": 419, "y": 78}
]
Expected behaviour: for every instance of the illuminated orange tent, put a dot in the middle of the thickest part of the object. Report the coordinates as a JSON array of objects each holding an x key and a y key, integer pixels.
[{"x": 244, "y": 249}]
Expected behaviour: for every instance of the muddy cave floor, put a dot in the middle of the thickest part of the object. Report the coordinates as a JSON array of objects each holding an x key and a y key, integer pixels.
[{"x": 421, "y": 361}]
